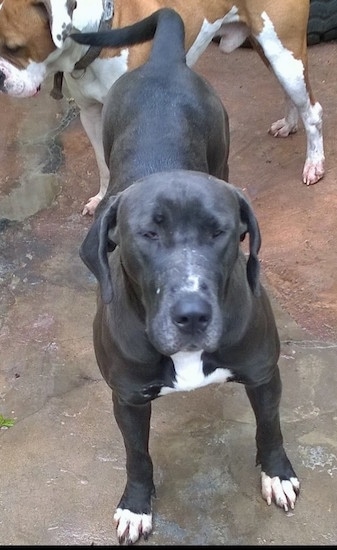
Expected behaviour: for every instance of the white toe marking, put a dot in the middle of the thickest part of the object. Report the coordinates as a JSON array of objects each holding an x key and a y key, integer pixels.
[
  {"x": 282, "y": 492},
  {"x": 131, "y": 526}
]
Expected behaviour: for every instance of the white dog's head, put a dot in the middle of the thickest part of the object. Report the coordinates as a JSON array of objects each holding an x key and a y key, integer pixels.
[{"x": 30, "y": 31}]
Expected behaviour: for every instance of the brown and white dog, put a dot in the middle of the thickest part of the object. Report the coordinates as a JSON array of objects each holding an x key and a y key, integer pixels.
[{"x": 34, "y": 44}]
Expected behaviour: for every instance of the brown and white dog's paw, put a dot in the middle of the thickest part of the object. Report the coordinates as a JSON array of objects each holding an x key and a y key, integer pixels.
[
  {"x": 91, "y": 205},
  {"x": 282, "y": 492},
  {"x": 131, "y": 527},
  {"x": 282, "y": 128},
  {"x": 313, "y": 171}
]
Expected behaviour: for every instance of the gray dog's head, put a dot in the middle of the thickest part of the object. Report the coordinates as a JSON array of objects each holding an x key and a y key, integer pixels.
[{"x": 178, "y": 236}]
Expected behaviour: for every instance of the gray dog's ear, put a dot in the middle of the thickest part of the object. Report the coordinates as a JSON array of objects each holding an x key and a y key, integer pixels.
[
  {"x": 96, "y": 245},
  {"x": 250, "y": 225}
]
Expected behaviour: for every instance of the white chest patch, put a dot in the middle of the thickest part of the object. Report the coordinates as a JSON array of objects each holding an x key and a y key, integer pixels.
[{"x": 190, "y": 375}]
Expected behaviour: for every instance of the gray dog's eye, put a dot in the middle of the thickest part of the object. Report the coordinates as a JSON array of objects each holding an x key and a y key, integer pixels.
[
  {"x": 217, "y": 233},
  {"x": 150, "y": 235}
]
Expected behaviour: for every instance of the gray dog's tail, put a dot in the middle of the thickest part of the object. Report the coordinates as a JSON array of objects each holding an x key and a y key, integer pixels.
[{"x": 164, "y": 25}]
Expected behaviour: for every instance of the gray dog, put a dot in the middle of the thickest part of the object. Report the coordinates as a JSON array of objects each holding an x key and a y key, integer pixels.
[{"x": 179, "y": 306}]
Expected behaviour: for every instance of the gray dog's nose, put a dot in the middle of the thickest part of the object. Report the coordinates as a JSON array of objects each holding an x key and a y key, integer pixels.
[{"x": 192, "y": 314}]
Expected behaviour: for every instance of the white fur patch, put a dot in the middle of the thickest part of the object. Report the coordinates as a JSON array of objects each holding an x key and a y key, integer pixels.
[
  {"x": 22, "y": 83},
  {"x": 206, "y": 33},
  {"x": 190, "y": 375},
  {"x": 98, "y": 78},
  {"x": 131, "y": 526},
  {"x": 289, "y": 71},
  {"x": 282, "y": 492},
  {"x": 87, "y": 15},
  {"x": 192, "y": 284},
  {"x": 61, "y": 22}
]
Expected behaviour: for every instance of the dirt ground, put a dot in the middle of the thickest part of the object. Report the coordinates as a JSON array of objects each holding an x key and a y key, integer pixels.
[
  {"x": 64, "y": 459},
  {"x": 298, "y": 223}
]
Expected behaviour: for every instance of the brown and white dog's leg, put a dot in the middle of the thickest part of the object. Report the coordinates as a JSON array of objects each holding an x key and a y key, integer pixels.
[
  {"x": 311, "y": 115},
  {"x": 290, "y": 67},
  {"x": 92, "y": 123}
]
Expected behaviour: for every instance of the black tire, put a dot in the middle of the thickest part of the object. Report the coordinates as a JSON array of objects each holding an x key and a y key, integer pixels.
[{"x": 322, "y": 25}]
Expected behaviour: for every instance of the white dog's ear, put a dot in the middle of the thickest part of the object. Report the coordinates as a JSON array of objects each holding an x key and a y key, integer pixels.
[{"x": 60, "y": 16}]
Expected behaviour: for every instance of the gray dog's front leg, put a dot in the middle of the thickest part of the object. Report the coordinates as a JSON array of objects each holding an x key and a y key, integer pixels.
[
  {"x": 279, "y": 481},
  {"x": 134, "y": 515}
]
